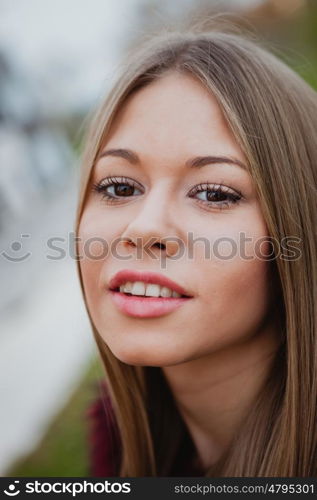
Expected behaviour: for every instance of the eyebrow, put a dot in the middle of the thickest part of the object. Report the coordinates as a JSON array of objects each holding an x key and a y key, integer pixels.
[{"x": 197, "y": 161}]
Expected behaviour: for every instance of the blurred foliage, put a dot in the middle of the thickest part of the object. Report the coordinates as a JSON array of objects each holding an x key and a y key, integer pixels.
[
  {"x": 298, "y": 39},
  {"x": 63, "y": 451}
]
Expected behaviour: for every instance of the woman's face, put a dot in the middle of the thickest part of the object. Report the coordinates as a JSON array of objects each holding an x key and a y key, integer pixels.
[{"x": 212, "y": 238}]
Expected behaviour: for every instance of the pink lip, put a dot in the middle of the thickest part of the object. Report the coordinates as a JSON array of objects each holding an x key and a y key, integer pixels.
[
  {"x": 145, "y": 307},
  {"x": 147, "y": 277}
]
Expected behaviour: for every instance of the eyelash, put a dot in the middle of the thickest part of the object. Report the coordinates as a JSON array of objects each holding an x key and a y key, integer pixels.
[{"x": 219, "y": 189}]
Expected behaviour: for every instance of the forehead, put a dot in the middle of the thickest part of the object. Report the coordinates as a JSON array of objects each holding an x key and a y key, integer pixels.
[{"x": 173, "y": 114}]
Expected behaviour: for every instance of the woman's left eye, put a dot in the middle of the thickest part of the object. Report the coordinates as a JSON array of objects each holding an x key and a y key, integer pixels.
[{"x": 215, "y": 195}]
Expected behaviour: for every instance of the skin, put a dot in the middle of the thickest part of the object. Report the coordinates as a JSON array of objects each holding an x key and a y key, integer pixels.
[{"x": 217, "y": 349}]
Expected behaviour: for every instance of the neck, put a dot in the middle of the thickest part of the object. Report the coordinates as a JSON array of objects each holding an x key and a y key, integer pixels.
[{"x": 214, "y": 393}]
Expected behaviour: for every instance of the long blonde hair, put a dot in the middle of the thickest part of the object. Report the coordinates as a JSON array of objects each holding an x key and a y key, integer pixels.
[{"x": 273, "y": 115}]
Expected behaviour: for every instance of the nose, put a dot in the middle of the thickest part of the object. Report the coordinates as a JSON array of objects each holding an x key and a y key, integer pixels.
[
  {"x": 154, "y": 244},
  {"x": 154, "y": 228}
]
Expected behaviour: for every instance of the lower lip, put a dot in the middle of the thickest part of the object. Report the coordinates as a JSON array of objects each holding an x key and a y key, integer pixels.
[{"x": 150, "y": 307}]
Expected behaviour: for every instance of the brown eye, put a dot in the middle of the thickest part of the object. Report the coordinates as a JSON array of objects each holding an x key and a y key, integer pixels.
[
  {"x": 113, "y": 189},
  {"x": 216, "y": 195},
  {"x": 123, "y": 190}
]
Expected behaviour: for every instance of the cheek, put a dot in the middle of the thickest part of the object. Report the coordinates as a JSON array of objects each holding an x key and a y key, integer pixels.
[
  {"x": 98, "y": 237},
  {"x": 235, "y": 298},
  {"x": 242, "y": 286},
  {"x": 93, "y": 250},
  {"x": 234, "y": 280},
  {"x": 232, "y": 306},
  {"x": 98, "y": 244},
  {"x": 93, "y": 235}
]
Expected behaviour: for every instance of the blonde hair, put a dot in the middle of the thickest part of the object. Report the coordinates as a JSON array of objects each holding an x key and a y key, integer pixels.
[{"x": 273, "y": 115}]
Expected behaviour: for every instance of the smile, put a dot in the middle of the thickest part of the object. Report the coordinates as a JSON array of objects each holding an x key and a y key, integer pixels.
[
  {"x": 140, "y": 306},
  {"x": 147, "y": 289}
]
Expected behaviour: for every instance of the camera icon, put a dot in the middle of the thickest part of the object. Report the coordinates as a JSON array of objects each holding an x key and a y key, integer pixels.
[{"x": 12, "y": 490}]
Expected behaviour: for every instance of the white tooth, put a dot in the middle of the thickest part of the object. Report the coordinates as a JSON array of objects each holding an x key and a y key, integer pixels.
[
  {"x": 138, "y": 288},
  {"x": 121, "y": 288},
  {"x": 175, "y": 294},
  {"x": 127, "y": 287},
  {"x": 152, "y": 290},
  {"x": 166, "y": 292}
]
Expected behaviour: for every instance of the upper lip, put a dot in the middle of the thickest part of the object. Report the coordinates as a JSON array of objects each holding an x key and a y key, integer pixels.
[{"x": 147, "y": 277}]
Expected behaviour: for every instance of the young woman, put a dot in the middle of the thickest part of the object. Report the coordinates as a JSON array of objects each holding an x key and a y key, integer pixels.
[{"x": 197, "y": 258}]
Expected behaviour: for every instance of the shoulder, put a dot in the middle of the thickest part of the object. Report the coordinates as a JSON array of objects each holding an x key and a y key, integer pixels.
[{"x": 104, "y": 445}]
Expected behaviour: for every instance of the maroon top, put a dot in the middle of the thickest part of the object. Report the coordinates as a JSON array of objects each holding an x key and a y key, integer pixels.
[{"x": 104, "y": 444}]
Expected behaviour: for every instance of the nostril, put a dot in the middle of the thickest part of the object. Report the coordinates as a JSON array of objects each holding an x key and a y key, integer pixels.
[
  {"x": 128, "y": 241},
  {"x": 160, "y": 245}
]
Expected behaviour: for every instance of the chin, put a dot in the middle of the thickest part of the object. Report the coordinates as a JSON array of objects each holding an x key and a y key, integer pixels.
[{"x": 145, "y": 356}]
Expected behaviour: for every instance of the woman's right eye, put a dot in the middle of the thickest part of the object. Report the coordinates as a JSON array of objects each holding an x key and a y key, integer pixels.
[{"x": 113, "y": 189}]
